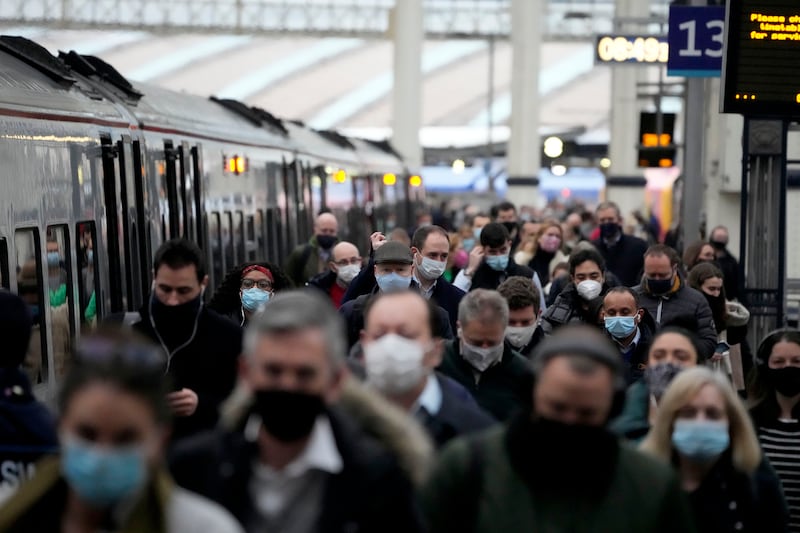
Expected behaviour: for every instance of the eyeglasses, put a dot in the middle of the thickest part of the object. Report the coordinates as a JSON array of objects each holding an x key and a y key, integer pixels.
[
  {"x": 263, "y": 284},
  {"x": 345, "y": 262}
]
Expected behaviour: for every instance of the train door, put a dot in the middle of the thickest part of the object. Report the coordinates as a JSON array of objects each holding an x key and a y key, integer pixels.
[
  {"x": 174, "y": 195},
  {"x": 134, "y": 241},
  {"x": 196, "y": 196},
  {"x": 115, "y": 225},
  {"x": 274, "y": 222},
  {"x": 290, "y": 209}
]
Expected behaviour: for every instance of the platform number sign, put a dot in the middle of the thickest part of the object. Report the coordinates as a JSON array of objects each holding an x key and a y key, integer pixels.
[{"x": 696, "y": 38}]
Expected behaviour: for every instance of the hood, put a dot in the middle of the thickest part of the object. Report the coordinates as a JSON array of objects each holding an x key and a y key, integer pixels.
[
  {"x": 373, "y": 414},
  {"x": 738, "y": 315}
]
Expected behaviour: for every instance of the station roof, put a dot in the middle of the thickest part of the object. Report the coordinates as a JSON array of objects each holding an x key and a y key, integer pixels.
[{"x": 345, "y": 83}]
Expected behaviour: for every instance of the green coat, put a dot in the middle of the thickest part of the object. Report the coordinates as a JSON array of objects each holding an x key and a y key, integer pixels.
[
  {"x": 633, "y": 423},
  {"x": 302, "y": 265},
  {"x": 644, "y": 496}
]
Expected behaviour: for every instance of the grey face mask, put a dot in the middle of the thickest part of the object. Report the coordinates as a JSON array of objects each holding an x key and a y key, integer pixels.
[{"x": 658, "y": 377}]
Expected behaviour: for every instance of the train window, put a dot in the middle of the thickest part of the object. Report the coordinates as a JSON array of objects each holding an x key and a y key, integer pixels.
[
  {"x": 215, "y": 236},
  {"x": 4, "y": 278},
  {"x": 87, "y": 265},
  {"x": 251, "y": 246},
  {"x": 30, "y": 289},
  {"x": 61, "y": 296}
]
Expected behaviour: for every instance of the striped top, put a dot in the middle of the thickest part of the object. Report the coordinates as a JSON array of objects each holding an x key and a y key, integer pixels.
[{"x": 781, "y": 444}]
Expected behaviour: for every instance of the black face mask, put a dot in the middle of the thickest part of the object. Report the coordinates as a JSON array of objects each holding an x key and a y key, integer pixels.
[
  {"x": 609, "y": 230},
  {"x": 717, "y": 305},
  {"x": 288, "y": 415},
  {"x": 786, "y": 380},
  {"x": 167, "y": 316},
  {"x": 718, "y": 245},
  {"x": 326, "y": 241}
]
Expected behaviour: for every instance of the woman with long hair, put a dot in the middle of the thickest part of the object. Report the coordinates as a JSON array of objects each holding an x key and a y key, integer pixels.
[
  {"x": 703, "y": 430},
  {"x": 729, "y": 320},
  {"x": 114, "y": 426},
  {"x": 543, "y": 252},
  {"x": 246, "y": 288},
  {"x": 775, "y": 389},
  {"x": 696, "y": 253}
]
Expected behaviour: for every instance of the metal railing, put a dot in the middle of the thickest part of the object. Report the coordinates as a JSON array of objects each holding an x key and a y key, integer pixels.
[{"x": 463, "y": 19}]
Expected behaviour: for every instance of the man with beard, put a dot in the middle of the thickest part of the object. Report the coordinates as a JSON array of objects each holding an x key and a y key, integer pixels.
[
  {"x": 202, "y": 347},
  {"x": 556, "y": 467},
  {"x": 298, "y": 461}
]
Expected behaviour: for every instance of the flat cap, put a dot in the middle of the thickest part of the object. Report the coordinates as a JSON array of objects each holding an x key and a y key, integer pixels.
[{"x": 393, "y": 252}]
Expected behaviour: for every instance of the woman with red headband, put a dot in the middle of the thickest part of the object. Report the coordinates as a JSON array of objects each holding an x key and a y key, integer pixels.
[{"x": 246, "y": 289}]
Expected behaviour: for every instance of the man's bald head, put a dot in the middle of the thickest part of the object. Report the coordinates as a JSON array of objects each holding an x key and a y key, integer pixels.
[
  {"x": 326, "y": 224},
  {"x": 344, "y": 250}
]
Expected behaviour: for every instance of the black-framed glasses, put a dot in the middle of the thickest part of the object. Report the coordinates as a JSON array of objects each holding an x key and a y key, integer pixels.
[
  {"x": 263, "y": 284},
  {"x": 345, "y": 262}
]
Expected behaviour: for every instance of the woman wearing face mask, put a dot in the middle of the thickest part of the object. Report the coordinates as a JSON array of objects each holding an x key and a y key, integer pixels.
[
  {"x": 542, "y": 252},
  {"x": 672, "y": 350},
  {"x": 729, "y": 320},
  {"x": 703, "y": 430},
  {"x": 113, "y": 427},
  {"x": 775, "y": 389},
  {"x": 246, "y": 289}
]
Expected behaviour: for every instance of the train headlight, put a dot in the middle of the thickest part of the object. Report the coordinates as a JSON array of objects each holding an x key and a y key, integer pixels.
[
  {"x": 415, "y": 181},
  {"x": 389, "y": 179}
]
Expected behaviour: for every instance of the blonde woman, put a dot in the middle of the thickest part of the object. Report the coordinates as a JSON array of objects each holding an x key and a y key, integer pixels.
[
  {"x": 704, "y": 431},
  {"x": 542, "y": 252}
]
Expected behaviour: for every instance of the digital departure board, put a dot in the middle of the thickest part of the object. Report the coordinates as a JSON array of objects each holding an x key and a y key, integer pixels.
[{"x": 761, "y": 68}]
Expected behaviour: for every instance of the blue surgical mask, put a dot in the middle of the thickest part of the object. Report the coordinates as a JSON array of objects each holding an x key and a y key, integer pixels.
[
  {"x": 477, "y": 233},
  {"x": 53, "y": 259},
  {"x": 468, "y": 244},
  {"x": 254, "y": 298},
  {"x": 102, "y": 477},
  {"x": 701, "y": 441},
  {"x": 393, "y": 282},
  {"x": 497, "y": 262},
  {"x": 620, "y": 327}
]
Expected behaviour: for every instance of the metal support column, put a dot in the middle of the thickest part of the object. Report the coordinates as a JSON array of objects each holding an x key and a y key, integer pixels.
[
  {"x": 524, "y": 147},
  {"x": 407, "y": 91},
  {"x": 763, "y": 224}
]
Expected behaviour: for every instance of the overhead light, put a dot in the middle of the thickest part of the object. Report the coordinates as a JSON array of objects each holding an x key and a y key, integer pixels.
[
  {"x": 553, "y": 147},
  {"x": 459, "y": 166},
  {"x": 558, "y": 170},
  {"x": 389, "y": 179},
  {"x": 605, "y": 163},
  {"x": 415, "y": 181}
]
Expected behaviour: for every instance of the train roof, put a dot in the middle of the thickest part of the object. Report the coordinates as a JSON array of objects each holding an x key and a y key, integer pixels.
[
  {"x": 324, "y": 147},
  {"x": 35, "y": 84},
  {"x": 378, "y": 157}
]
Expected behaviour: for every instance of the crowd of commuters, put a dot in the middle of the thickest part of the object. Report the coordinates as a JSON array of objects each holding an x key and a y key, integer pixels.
[{"x": 500, "y": 370}]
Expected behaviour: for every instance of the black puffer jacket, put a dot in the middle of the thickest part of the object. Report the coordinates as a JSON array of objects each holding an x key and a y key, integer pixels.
[{"x": 570, "y": 308}]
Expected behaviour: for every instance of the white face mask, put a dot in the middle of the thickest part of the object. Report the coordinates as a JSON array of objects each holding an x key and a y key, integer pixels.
[
  {"x": 394, "y": 364},
  {"x": 480, "y": 358},
  {"x": 346, "y": 274},
  {"x": 520, "y": 336},
  {"x": 589, "y": 289},
  {"x": 430, "y": 269}
]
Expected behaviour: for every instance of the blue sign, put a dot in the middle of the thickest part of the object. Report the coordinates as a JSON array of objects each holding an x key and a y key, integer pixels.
[{"x": 696, "y": 36}]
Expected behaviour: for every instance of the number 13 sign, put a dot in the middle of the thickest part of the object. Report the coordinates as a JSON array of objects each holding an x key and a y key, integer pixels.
[{"x": 695, "y": 41}]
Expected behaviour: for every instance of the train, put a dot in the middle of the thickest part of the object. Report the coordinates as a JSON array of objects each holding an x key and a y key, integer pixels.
[{"x": 97, "y": 171}]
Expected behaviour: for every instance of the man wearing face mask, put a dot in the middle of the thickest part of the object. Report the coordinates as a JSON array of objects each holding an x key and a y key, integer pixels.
[
  {"x": 622, "y": 253},
  {"x": 431, "y": 248},
  {"x": 490, "y": 264},
  {"x": 555, "y": 466},
  {"x": 296, "y": 459},
  {"x": 202, "y": 347},
  {"x": 718, "y": 238},
  {"x": 670, "y": 300},
  {"x": 311, "y": 258},
  {"x": 523, "y": 332},
  {"x": 631, "y": 329},
  {"x": 480, "y": 360},
  {"x": 505, "y": 213},
  {"x": 394, "y": 270},
  {"x": 344, "y": 266},
  {"x": 400, "y": 354},
  {"x": 581, "y": 300}
]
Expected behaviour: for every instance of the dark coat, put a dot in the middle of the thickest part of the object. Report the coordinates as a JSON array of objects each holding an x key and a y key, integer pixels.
[
  {"x": 208, "y": 366},
  {"x": 370, "y": 494},
  {"x": 448, "y": 296},
  {"x": 636, "y": 361},
  {"x": 730, "y": 271},
  {"x": 685, "y": 306},
  {"x": 27, "y": 428},
  {"x": 304, "y": 262},
  {"x": 485, "y": 277},
  {"x": 502, "y": 390},
  {"x": 457, "y": 416},
  {"x": 353, "y": 313},
  {"x": 499, "y": 491},
  {"x": 323, "y": 281},
  {"x": 633, "y": 423},
  {"x": 728, "y": 500},
  {"x": 625, "y": 258},
  {"x": 568, "y": 309},
  {"x": 362, "y": 284}
]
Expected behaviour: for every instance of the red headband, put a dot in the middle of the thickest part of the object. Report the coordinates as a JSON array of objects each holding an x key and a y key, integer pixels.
[{"x": 258, "y": 268}]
